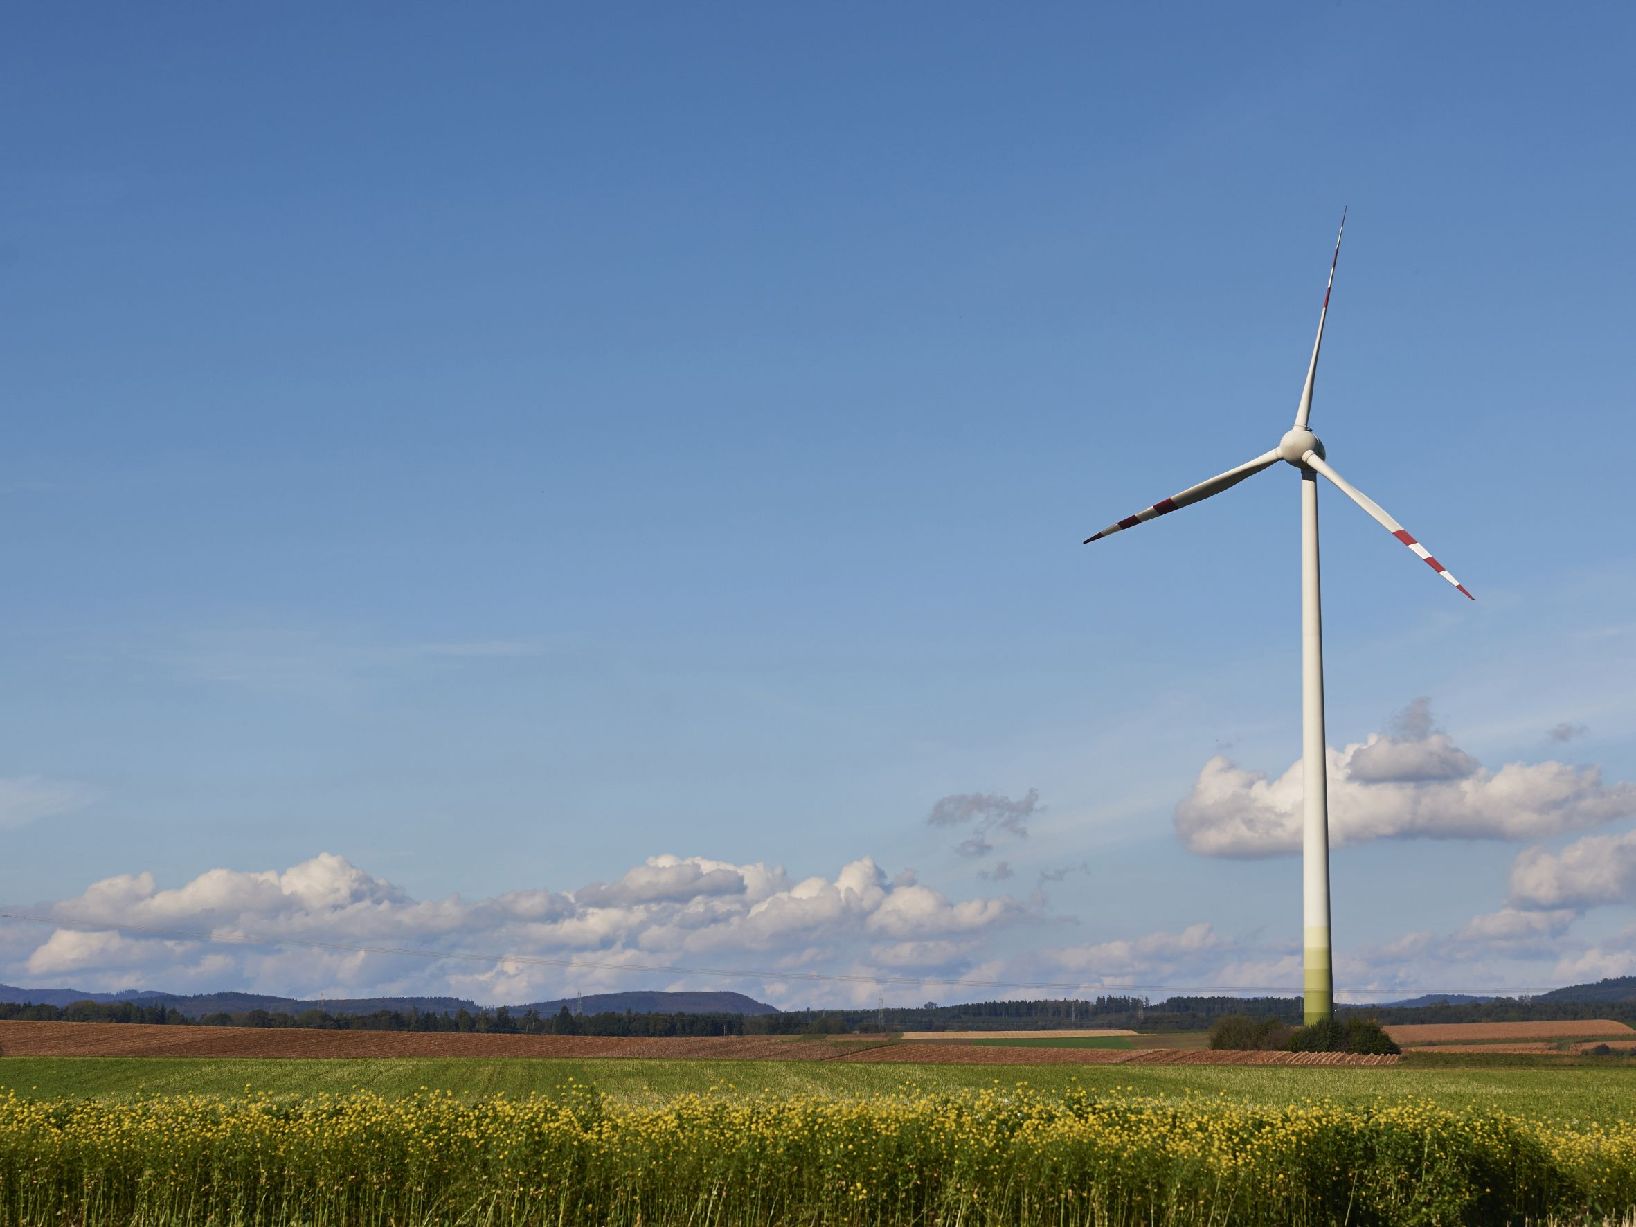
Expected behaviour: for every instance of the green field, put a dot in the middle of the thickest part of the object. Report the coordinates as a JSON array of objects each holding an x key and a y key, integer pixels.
[{"x": 1572, "y": 1094}]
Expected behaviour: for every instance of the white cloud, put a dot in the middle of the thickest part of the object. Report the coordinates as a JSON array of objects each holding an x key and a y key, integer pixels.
[
  {"x": 1502, "y": 952},
  {"x": 70, "y": 950},
  {"x": 1150, "y": 953},
  {"x": 1614, "y": 956},
  {"x": 1412, "y": 784},
  {"x": 921, "y": 956},
  {"x": 668, "y": 911},
  {"x": 1589, "y": 871},
  {"x": 1388, "y": 760},
  {"x": 25, "y": 798},
  {"x": 670, "y": 879},
  {"x": 1511, "y": 924},
  {"x": 677, "y": 912}
]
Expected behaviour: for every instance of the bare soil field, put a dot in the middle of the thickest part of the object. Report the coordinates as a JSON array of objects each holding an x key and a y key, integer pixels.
[
  {"x": 1442, "y": 1034},
  {"x": 1539, "y": 1049},
  {"x": 72, "y": 1039},
  {"x": 1016, "y": 1035},
  {"x": 89, "y": 1039}
]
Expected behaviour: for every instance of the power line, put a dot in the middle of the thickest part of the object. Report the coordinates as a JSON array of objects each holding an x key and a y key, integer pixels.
[{"x": 540, "y": 960}]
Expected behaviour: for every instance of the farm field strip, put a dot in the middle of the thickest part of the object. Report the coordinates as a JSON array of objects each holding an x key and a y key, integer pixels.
[
  {"x": 1083, "y": 1034},
  {"x": 21, "y": 1038},
  {"x": 1496, "y": 1047},
  {"x": 1420, "y": 1034},
  {"x": 1579, "y": 1094},
  {"x": 1115, "y": 1042}
]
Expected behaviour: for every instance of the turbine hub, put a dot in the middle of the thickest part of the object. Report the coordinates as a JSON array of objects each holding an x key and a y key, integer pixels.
[{"x": 1297, "y": 443}]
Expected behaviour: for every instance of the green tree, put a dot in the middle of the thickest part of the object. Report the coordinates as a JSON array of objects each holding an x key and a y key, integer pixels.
[{"x": 1234, "y": 1031}]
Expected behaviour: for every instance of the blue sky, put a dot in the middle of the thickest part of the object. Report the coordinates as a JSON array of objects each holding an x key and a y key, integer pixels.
[{"x": 494, "y": 449}]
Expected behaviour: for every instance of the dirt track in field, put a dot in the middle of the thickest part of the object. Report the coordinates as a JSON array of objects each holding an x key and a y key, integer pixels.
[
  {"x": 1443, "y": 1034},
  {"x": 70, "y": 1039}
]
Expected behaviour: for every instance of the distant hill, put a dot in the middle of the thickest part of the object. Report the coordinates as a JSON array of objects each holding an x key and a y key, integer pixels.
[
  {"x": 198, "y": 1005},
  {"x": 1614, "y": 998},
  {"x": 49, "y": 996},
  {"x": 1617, "y": 989},
  {"x": 652, "y": 1003}
]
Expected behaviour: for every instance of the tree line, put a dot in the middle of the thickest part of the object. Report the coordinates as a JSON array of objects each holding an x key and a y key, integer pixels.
[
  {"x": 501, "y": 1020},
  {"x": 1043, "y": 1015},
  {"x": 1174, "y": 1014}
]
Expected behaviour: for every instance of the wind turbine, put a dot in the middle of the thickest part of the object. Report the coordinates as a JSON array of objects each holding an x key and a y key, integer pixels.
[{"x": 1301, "y": 448}]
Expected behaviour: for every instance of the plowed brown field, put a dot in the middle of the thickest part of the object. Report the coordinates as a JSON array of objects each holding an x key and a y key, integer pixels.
[
  {"x": 1518, "y": 1032},
  {"x": 1539, "y": 1049},
  {"x": 70, "y": 1039},
  {"x": 1101, "y": 1033}
]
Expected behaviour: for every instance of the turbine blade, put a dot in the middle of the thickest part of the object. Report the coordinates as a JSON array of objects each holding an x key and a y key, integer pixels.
[
  {"x": 1385, "y": 521},
  {"x": 1193, "y": 494},
  {"x": 1305, "y": 409}
]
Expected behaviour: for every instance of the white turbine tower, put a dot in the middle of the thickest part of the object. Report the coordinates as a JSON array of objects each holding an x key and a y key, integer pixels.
[{"x": 1301, "y": 448}]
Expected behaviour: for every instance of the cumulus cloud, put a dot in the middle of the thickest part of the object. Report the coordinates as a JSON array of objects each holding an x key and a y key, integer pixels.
[
  {"x": 1589, "y": 871},
  {"x": 1414, "y": 722},
  {"x": 671, "y": 879},
  {"x": 1185, "y": 957},
  {"x": 1411, "y": 783},
  {"x": 1391, "y": 760},
  {"x": 222, "y": 929},
  {"x": 25, "y": 798},
  {"x": 987, "y": 815},
  {"x": 1513, "y": 925},
  {"x": 1151, "y": 953},
  {"x": 1613, "y": 956},
  {"x": 1506, "y": 952}
]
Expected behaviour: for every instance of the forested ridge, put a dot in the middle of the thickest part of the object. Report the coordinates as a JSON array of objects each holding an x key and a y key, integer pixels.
[{"x": 1172, "y": 1014}]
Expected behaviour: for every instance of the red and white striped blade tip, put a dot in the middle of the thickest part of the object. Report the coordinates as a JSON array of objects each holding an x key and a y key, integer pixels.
[{"x": 1425, "y": 556}]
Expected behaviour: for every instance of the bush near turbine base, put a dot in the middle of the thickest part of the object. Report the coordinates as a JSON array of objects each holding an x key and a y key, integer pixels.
[
  {"x": 1332, "y": 1034},
  {"x": 1241, "y": 1033}
]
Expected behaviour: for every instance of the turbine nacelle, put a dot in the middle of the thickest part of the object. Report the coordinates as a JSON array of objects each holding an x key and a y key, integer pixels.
[{"x": 1296, "y": 443}]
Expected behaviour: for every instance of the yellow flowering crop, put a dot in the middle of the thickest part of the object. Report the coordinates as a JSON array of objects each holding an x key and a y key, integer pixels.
[{"x": 994, "y": 1157}]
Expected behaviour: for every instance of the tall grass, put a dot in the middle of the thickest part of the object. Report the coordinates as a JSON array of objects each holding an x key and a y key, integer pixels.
[{"x": 966, "y": 1160}]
